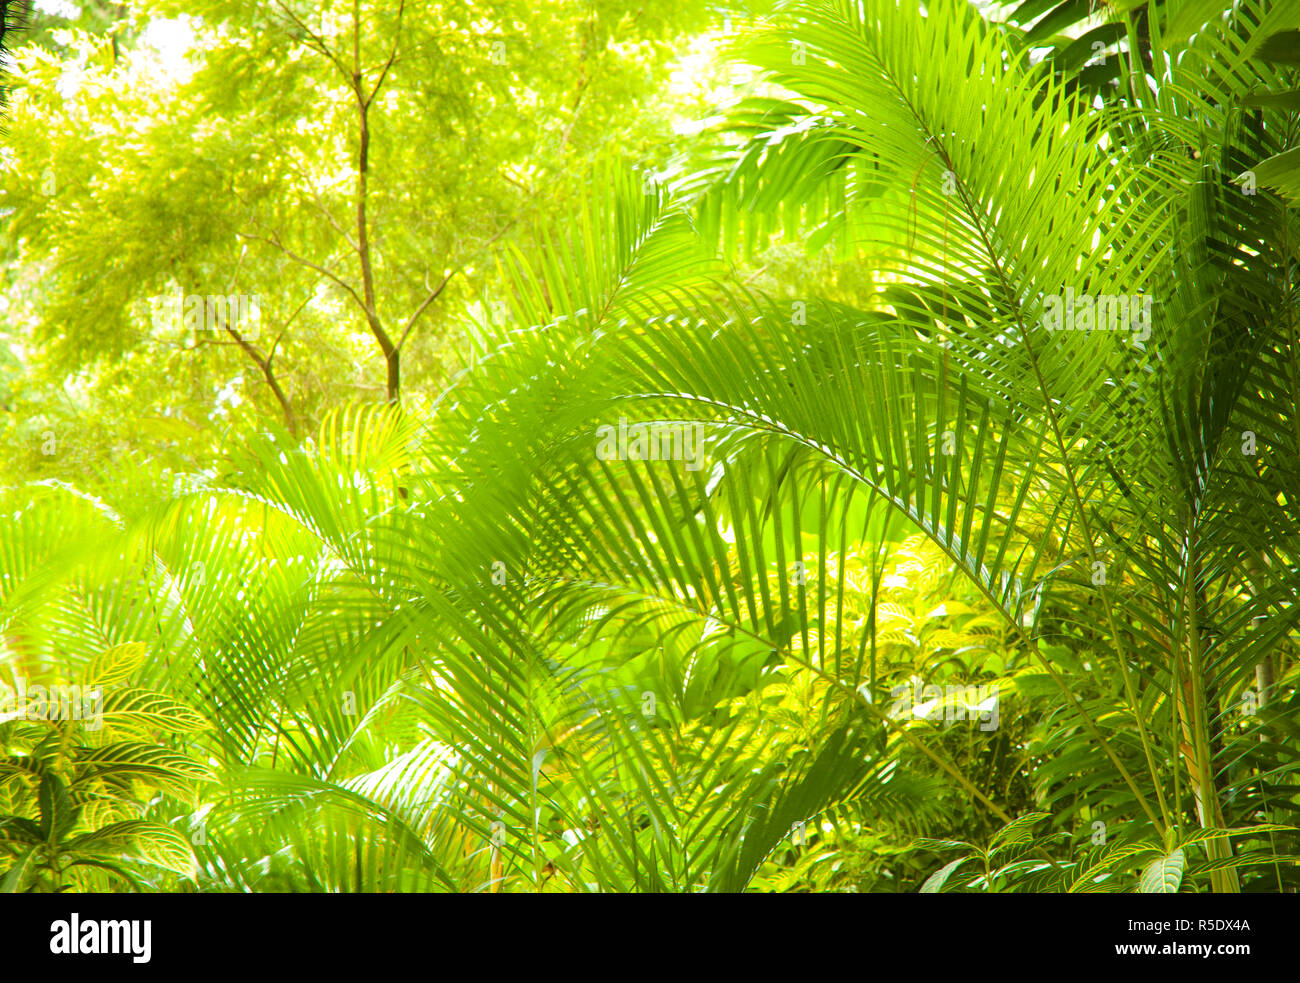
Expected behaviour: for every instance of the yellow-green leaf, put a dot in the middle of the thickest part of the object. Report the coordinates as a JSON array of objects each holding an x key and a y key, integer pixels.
[
  {"x": 116, "y": 665},
  {"x": 153, "y": 842},
  {"x": 136, "y": 710}
]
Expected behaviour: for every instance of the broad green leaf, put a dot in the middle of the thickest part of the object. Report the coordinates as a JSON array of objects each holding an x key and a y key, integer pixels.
[
  {"x": 1019, "y": 830},
  {"x": 14, "y": 877},
  {"x": 128, "y": 758},
  {"x": 935, "y": 882},
  {"x": 158, "y": 844},
  {"x": 111, "y": 868},
  {"x": 19, "y": 768},
  {"x": 139, "y": 711},
  {"x": 163, "y": 846},
  {"x": 18, "y": 829},
  {"x": 116, "y": 665},
  {"x": 57, "y": 810},
  {"x": 1163, "y": 875},
  {"x": 1205, "y": 835},
  {"x": 163, "y": 768},
  {"x": 927, "y": 843}
]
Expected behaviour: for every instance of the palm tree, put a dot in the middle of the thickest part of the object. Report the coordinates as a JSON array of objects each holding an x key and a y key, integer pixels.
[
  {"x": 1130, "y": 493},
  {"x": 11, "y": 19}
]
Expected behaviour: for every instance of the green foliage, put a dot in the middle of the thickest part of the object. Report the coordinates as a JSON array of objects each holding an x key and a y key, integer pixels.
[
  {"x": 79, "y": 760},
  {"x": 692, "y": 564}
]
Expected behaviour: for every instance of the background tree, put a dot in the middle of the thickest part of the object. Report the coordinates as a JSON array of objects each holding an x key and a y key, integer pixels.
[{"x": 348, "y": 165}]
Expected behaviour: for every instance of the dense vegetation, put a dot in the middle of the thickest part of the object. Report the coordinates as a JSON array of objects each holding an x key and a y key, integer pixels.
[{"x": 851, "y": 445}]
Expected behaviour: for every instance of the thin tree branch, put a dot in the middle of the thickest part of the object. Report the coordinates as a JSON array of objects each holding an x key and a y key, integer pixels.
[
  {"x": 275, "y": 241},
  {"x": 433, "y": 294},
  {"x": 316, "y": 41},
  {"x": 333, "y": 222},
  {"x": 397, "y": 33}
]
